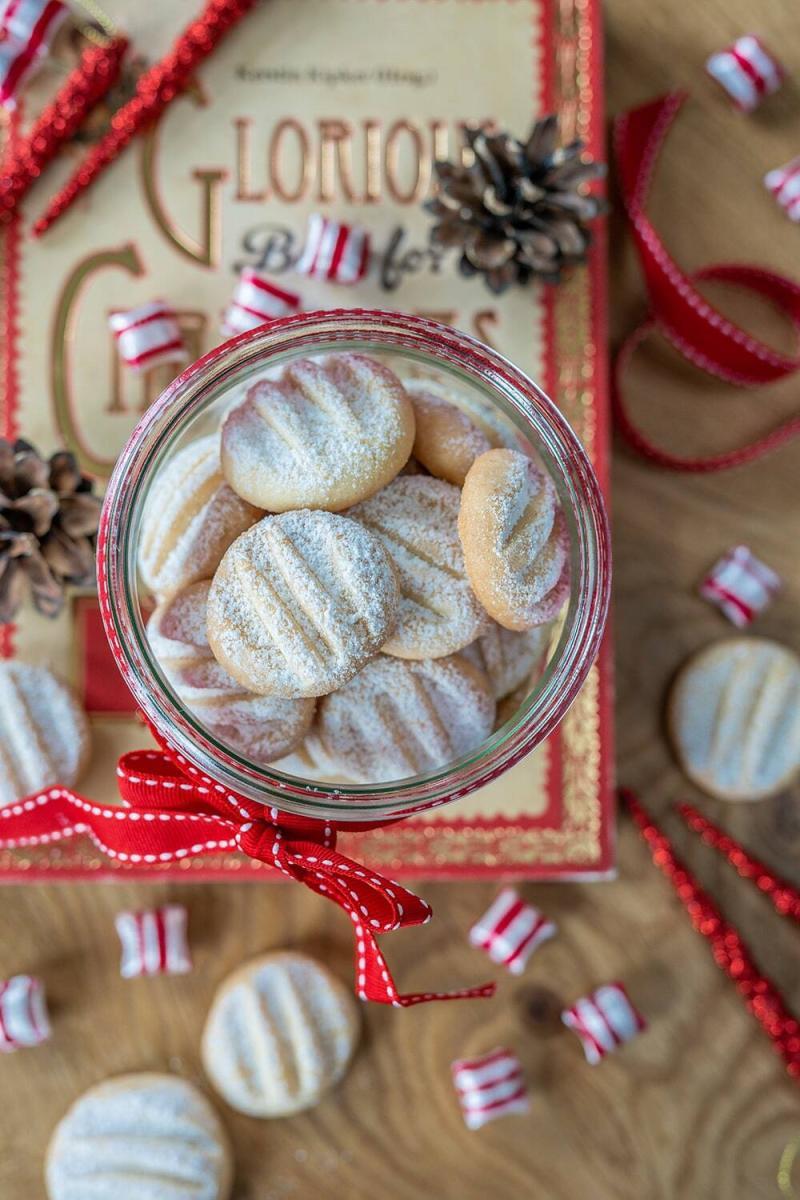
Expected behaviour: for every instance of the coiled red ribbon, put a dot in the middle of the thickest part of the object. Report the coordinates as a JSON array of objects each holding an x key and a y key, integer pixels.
[
  {"x": 699, "y": 331},
  {"x": 172, "y": 811}
]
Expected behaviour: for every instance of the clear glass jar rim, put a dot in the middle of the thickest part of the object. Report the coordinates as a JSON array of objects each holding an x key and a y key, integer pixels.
[{"x": 478, "y": 364}]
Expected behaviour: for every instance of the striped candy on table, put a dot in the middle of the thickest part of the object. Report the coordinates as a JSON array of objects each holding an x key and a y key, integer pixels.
[
  {"x": 747, "y": 71},
  {"x": 148, "y": 335},
  {"x": 510, "y": 930},
  {"x": 27, "y": 27},
  {"x": 23, "y": 1013},
  {"x": 784, "y": 183},
  {"x": 154, "y": 942},
  {"x": 334, "y": 251},
  {"x": 740, "y": 585},
  {"x": 490, "y": 1086},
  {"x": 604, "y": 1020},
  {"x": 255, "y": 301}
]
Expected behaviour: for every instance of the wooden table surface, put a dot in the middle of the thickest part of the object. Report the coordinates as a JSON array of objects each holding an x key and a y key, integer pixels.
[{"x": 699, "y": 1108}]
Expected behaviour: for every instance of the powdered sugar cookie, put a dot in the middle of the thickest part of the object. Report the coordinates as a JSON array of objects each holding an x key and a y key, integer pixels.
[
  {"x": 399, "y": 718},
  {"x": 280, "y": 1034},
  {"x": 734, "y": 718},
  {"x": 190, "y": 519},
  {"x": 44, "y": 734},
  {"x": 300, "y": 602},
  {"x": 140, "y": 1137},
  {"x": 326, "y": 434},
  {"x": 508, "y": 658},
  {"x": 514, "y": 535},
  {"x": 260, "y": 727},
  {"x": 309, "y": 761},
  {"x": 446, "y": 441},
  {"x": 416, "y": 519}
]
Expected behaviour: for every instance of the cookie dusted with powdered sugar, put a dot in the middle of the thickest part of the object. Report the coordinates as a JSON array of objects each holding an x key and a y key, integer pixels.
[
  {"x": 508, "y": 658},
  {"x": 398, "y": 718},
  {"x": 446, "y": 441},
  {"x": 416, "y": 519},
  {"x": 734, "y": 718},
  {"x": 260, "y": 727},
  {"x": 515, "y": 540},
  {"x": 300, "y": 602},
  {"x": 140, "y": 1137},
  {"x": 44, "y": 734},
  {"x": 280, "y": 1034},
  {"x": 190, "y": 519},
  {"x": 326, "y": 434}
]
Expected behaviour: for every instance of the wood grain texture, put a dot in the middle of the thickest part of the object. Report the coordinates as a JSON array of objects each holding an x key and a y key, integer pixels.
[{"x": 698, "y": 1108}]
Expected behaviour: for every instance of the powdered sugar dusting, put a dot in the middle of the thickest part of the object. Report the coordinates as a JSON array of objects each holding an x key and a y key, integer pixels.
[
  {"x": 326, "y": 434},
  {"x": 398, "y": 718},
  {"x": 44, "y": 734},
  {"x": 416, "y": 519},
  {"x": 508, "y": 657},
  {"x": 261, "y": 727},
  {"x": 300, "y": 602},
  {"x": 142, "y": 1136},
  {"x": 191, "y": 518}
]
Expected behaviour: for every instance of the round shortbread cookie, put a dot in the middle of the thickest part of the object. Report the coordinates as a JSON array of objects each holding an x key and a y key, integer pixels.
[
  {"x": 309, "y": 761},
  {"x": 734, "y": 718},
  {"x": 190, "y": 518},
  {"x": 401, "y": 717},
  {"x": 280, "y": 1034},
  {"x": 44, "y": 734},
  {"x": 446, "y": 441},
  {"x": 140, "y": 1137},
  {"x": 326, "y": 434},
  {"x": 514, "y": 535},
  {"x": 260, "y": 727},
  {"x": 416, "y": 519},
  {"x": 300, "y": 602},
  {"x": 507, "y": 657}
]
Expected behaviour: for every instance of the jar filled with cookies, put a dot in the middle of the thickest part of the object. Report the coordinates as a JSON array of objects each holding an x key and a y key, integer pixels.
[{"x": 355, "y": 564}]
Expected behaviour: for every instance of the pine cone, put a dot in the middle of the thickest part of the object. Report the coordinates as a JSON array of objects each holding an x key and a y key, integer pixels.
[
  {"x": 48, "y": 528},
  {"x": 516, "y": 210}
]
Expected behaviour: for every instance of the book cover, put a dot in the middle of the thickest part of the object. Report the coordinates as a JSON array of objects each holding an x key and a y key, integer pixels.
[{"x": 340, "y": 107}]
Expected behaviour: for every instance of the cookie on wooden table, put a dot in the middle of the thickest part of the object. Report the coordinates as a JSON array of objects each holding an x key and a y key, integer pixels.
[
  {"x": 446, "y": 441},
  {"x": 44, "y": 734},
  {"x": 416, "y": 519},
  {"x": 260, "y": 727},
  {"x": 401, "y": 717},
  {"x": 140, "y": 1137},
  {"x": 300, "y": 602},
  {"x": 734, "y": 718},
  {"x": 326, "y": 434},
  {"x": 514, "y": 535},
  {"x": 280, "y": 1034},
  {"x": 190, "y": 518}
]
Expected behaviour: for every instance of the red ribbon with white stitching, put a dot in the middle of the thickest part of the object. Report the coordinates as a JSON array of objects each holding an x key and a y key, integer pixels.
[
  {"x": 699, "y": 331},
  {"x": 171, "y": 811}
]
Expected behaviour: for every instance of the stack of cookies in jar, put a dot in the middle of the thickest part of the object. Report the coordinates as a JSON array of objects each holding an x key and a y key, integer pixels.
[{"x": 355, "y": 581}]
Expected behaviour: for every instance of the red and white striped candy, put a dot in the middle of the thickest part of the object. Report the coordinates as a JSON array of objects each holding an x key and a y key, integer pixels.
[
  {"x": 747, "y": 71},
  {"x": 333, "y": 251},
  {"x": 604, "y": 1020},
  {"x": 489, "y": 1087},
  {"x": 784, "y": 183},
  {"x": 154, "y": 943},
  {"x": 255, "y": 301},
  {"x": 148, "y": 335},
  {"x": 511, "y": 930},
  {"x": 740, "y": 585},
  {"x": 23, "y": 1013},
  {"x": 27, "y": 28}
]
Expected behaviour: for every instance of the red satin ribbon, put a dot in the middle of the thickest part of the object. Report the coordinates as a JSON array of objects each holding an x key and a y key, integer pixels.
[
  {"x": 698, "y": 330},
  {"x": 172, "y": 811}
]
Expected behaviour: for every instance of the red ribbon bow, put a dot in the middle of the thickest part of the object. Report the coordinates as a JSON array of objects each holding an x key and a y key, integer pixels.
[
  {"x": 171, "y": 811},
  {"x": 698, "y": 330}
]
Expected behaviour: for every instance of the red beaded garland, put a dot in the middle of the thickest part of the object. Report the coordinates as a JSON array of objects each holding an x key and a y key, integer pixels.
[
  {"x": 785, "y": 898},
  {"x": 154, "y": 91},
  {"x": 87, "y": 84},
  {"x": 760, "y": 995}
]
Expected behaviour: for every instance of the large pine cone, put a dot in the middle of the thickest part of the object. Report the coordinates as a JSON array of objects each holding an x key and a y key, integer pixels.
[
  {"x": 516, "y": 210},
  {"x": 48, "y": 528}
]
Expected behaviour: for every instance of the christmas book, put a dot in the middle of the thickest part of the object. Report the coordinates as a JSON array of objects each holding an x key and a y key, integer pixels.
[{"x": 338, "y": 107}]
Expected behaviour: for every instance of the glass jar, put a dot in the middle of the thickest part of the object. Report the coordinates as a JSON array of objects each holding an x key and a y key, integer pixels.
[{"x": 512, "y": 410}]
